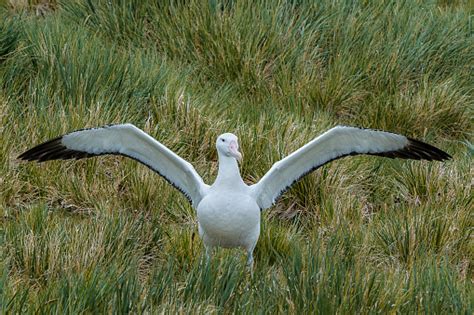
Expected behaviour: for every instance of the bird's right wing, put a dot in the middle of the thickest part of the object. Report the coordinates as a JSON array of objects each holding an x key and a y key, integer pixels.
[
  {"x": 129, "y": 141},
  {"x": 336, "y": 143}
]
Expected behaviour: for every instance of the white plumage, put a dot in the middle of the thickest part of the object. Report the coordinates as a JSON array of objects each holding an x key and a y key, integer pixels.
[
  {"x": 130, "y": 141},
  {"x": 228, "y": 211}
]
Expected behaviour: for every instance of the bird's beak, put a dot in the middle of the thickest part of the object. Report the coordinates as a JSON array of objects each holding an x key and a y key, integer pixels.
[{"x": 234, "y": 151}]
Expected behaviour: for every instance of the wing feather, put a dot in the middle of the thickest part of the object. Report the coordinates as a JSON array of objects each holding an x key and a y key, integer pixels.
[
  {"x": 126, "y": 140},
  {"x": 337, "y": 143}
]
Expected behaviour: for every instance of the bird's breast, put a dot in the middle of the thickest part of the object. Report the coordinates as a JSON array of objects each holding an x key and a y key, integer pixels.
[{"x": 229, "y": 219}]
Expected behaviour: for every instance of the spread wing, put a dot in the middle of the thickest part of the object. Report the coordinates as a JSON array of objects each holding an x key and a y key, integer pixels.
[
  {"x": 336, "y": 143},
  {"x": 129, "y": 141}
]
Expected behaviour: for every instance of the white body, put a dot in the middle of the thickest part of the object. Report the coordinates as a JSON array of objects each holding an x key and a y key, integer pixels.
[
  {"x": 228, "y": 215},
  {"x": 226, "y": 223},
  {"x": 228, "y": 212}
]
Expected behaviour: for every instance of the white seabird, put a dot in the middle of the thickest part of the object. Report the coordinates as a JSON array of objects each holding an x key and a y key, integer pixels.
[{"x": 228, "y": 211}]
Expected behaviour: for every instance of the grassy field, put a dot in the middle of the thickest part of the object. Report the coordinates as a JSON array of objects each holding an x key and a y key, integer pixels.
[{"x": 361, "y": 235}]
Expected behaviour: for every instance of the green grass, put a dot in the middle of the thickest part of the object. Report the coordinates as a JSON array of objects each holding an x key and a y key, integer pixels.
[{"x": 360, "y": 235}]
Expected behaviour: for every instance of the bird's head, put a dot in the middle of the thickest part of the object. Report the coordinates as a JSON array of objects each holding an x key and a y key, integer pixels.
[{"x": 228, "y": 145}]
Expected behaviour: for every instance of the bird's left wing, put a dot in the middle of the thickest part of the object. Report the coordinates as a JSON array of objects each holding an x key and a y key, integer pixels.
[
  {"x": 336, "y": 143},
  {"x": 129, "y": 141}
]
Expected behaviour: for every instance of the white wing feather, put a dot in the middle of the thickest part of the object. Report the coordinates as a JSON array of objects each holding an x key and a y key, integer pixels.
[
  {"x": 130, "y": 141},
  {"x": 336, "y": 143}
]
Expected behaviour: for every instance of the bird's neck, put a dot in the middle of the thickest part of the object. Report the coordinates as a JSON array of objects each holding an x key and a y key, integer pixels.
[{"x": 228, "y": 173}]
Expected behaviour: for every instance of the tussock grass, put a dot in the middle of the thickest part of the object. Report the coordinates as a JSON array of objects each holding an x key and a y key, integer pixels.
[{"x": 360, "y": 235}]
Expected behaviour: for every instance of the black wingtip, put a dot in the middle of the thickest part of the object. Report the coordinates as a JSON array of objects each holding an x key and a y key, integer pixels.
[
  {"x": 38, "y": 152},
  {"x": 427, "y": 151},
  {"x": 417, "y": 150},
  {"x": 52, "y": 150}
]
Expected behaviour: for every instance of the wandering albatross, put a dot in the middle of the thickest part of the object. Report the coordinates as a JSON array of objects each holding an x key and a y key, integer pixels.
[{"x": 228, "y": 211}]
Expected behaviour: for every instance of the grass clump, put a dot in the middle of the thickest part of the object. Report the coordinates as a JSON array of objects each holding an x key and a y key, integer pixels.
[{"x": 360, "y": 235}]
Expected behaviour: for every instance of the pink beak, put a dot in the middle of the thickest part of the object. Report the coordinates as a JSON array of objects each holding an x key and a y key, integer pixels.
[{"x": 234, "y": 150}]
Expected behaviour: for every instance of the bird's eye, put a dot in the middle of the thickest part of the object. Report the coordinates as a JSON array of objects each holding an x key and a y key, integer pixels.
[{"x": 223, "y": 140}]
